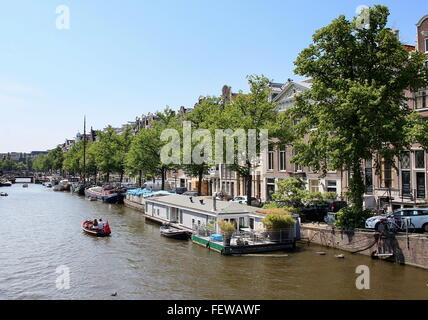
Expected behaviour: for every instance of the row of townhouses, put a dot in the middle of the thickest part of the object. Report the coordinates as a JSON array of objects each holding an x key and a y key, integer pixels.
[{"x": 402, "y": 187}]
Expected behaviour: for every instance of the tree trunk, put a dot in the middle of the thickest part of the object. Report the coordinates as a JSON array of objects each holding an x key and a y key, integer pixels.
[
  {"x": 121, "y": 176},
  {"x": 249, "y": 180},
  {"x": 200, "y": 174},
  {"x": 108, "y": 177},
  {"x": 140, "y": 178},
  {"x": 163, "y": 179},
  {"x": 356, "y": 186}
]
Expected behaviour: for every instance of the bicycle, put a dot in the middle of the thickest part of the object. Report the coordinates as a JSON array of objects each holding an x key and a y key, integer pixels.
[{"x": 397, "y": 224}]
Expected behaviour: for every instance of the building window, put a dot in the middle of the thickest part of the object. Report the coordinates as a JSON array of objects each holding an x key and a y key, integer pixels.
[
  {"x": 426, "y": 45},
  {"x": 387, "y": 180},
  {"x": 419, "y": 159},
  {"x": 420, "y": 185},
  {"x": 270, "y": 160},
  {"x": 314, "y": 186},
  {"x": 282, "y": 166},
  {"x": 270, "y": 188},
  {"x": 426, "y": 64},
  {"x": 368, "y": 175},
  {"x": 405, "y": 160},
  {"x": 424, "y": 100},
  {"x": 332, "y": 186}
]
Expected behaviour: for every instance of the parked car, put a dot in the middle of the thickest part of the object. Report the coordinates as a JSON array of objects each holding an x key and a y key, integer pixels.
[
  {"x": 418, "y": 217},
  {"x": 317, "y": 211},
  {"x": 192, "y": 193},
  {"x": 223, "y": 197},
  {"x": 243, "y": 200},
  {"x": 180, "y": 190}
]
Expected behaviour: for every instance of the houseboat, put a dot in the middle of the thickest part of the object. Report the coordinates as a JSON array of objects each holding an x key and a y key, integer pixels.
[
  {"x": 99, "y": 193},
  {"x": 201, "y": 216}
]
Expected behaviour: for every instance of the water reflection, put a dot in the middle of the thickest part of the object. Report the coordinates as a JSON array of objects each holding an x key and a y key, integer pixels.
[{"x": 40, "y": 230}]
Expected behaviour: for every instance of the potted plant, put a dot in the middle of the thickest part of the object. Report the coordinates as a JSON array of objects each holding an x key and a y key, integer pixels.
[
  {"x": 227, "y": 230},
  {"x": 278, "y": 225}
]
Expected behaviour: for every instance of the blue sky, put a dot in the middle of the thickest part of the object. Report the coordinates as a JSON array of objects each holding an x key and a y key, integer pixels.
[{"x": 120, "y": 59}]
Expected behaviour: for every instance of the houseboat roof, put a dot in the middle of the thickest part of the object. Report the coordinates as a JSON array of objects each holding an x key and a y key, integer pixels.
[{"x": 222, "y": 207}]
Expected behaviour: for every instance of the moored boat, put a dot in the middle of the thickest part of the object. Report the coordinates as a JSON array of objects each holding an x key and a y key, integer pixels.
[
  {"x": 5, "y": 183},
  {"x": 174, "y": 233},
  {"x": 99, "y": 193},
  {"x": 3, "y": 194},
  {"x": 89, "y": 228},
  {"x": 25, "y": 185}
]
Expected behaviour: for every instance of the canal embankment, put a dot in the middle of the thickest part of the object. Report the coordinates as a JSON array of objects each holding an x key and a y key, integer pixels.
[{"x": 409, "y": 249}]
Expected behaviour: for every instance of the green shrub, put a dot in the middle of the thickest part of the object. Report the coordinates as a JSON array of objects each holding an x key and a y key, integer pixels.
[
  {"x": 350, "y": 218},
  {"x": 226, "y": 226},
  {"x": 278, "y": 221}
]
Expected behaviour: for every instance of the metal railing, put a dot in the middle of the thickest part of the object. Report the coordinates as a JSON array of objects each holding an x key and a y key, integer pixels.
[{"x": 251, "y": 237}]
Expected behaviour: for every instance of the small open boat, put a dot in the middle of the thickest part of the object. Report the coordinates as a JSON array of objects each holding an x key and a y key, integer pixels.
[
  {"x": 88, "y": 227},
  {"x": 25, "y": 185},
  {"x": 174, "y": 233},
  {"x": 3, "y": 194}
]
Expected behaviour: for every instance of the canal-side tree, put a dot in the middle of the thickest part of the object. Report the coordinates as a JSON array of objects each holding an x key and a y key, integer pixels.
[
  {"x": 8, "y": 165},
  {"x": 124, "y": 141},
  {"x": 357, "y": 105},
  {"x": 205, "y": 116},
  {"x": 73, "y": 159},
  {"x": 41, "y": 163},
  {"x": 252, "y": 111},
  {"x": 106, "y": 151},
  {"x": 55, "y": 159},
  {"x": 143, "y": 156}
]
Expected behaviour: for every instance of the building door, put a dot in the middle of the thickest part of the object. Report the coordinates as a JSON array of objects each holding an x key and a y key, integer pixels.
[
  {"x": 420, "y": 185},
  {"x": 405, "y": 182}
]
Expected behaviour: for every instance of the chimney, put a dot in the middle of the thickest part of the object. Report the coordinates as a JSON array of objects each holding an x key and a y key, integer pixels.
[
  {"x": 215, "y": 202},
  {"x": 396, "y": 33}
]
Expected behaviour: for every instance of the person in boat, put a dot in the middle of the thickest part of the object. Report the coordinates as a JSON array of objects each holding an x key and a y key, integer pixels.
[
  {"x": 95, "y": 224},
  {"x": 101, "y": 225}
]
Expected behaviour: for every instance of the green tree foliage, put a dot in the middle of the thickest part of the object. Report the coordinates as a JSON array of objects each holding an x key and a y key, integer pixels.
[
  {"x": 250, "y": 111},
  {"x": 145, "y": 150},
  {"x": 73, "y": 159},
  {"x": 42, "y": 163},
  {"x": 55, "y": 159},
  {"x": 8, "y": 164},
  {"x": 356, "y": 106},
  {"x": 204, "y": 115},
  {"x": 106, "y": 152}
]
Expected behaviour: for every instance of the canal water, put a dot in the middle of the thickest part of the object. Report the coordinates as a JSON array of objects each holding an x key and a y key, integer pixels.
[{"x": 40, "y": 231}]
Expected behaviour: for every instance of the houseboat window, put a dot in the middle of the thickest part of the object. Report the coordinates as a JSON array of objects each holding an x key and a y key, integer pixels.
[
  {"x": 242, "y": 222},
  {"x": 199, "y": 223},
  {"x": 193, "y": 222},
  {"x": 158, "y": 211},
  {"x": 252, "y": 223}
]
